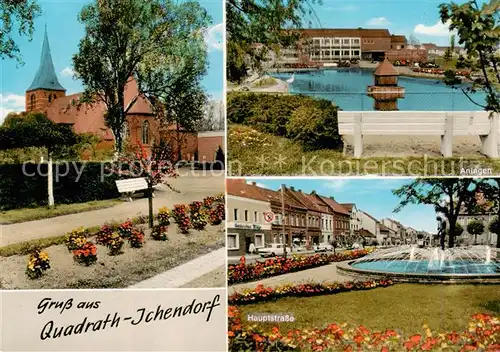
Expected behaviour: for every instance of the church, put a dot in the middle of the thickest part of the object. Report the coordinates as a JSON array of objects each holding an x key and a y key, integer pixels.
[{"x": 47, "y": 95}]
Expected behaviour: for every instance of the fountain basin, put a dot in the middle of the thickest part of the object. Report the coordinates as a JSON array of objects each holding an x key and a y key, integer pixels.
[{"x": 410, "y": 264}]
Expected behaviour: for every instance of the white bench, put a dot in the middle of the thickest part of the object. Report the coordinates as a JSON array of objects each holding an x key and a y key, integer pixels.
[
  {"x": 422, "y": 123},
  {"x": 131, "y": 185}
]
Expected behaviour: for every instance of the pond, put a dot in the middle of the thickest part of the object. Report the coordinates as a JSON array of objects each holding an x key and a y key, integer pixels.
[{"x": 347, "y": 88}]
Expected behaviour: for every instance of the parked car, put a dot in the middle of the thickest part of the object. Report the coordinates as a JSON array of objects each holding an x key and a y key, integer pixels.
[
  {"x": 272, "y": 250},
  {"x": 323, "y": 247},
  {"x": 298, "y": 248}
]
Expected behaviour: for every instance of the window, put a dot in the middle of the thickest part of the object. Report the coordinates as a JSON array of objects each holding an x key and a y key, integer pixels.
[
  {"x": 145, "y": 132},
  {"x": 327, "y": 41},
  {"x": 345, "y": 42},
  {"x": 336, "y": 41},
  {"x": 259, "y": 240},
  {"x": 235, "y": 214},
  {"x": 50, "y": 98},
  {"x": 32, "y": 102},
  {"x": 346, "y": 52},
  {"x": 233, "y": 241},
  {"x": 255, "y": 216},
  {"x": 355, "y": 41},
  {"x": 355, "y": 52},
  {"x": 246, "y": 215},
  {"x": 337, "y": 52}
]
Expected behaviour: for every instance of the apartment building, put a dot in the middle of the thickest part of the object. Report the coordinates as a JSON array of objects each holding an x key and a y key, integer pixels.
[
  {"x": 313, "y": 219},
  {"x": 354, "y": 219},
  {"x": 246, "y": 217},
  {"x": 327, "y": 218},
  {"x": 341, "y": 218}
]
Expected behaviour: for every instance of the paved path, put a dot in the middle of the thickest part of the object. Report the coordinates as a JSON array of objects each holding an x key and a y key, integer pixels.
[
  {"x": 320, "y": 274},
  {"x": 192, "y": 187},
  {"x": 187, "y": 272}
]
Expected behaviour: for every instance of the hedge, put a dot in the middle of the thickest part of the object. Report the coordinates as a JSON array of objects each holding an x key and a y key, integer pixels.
[
  {"x": 312, "y": 122},
  {"x": 18, "y": 190}
]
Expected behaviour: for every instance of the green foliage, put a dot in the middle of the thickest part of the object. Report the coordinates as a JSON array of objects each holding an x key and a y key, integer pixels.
[
  {"x": 21, "y": 13},
  {"x": 35, "y": 130},
  {"x": 269, "y": 23},
  {"x": 475, "y": 227},
  {"x": 312, "y": 122},
  {"x": 220, "y": 157},
  {"x": 151, "y": 40},
  {"x": 457, "y": 231},
  {"x": 478, "y": 32},
  {"x": 26, "y": 185},
  {"x": 494, "y": 226},
  {"x": 463, "y": 62}
]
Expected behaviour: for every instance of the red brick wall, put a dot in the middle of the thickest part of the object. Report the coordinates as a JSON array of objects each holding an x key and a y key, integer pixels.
[
  {"x": 38, "y": 100},
  {"x": 208, "y": 143},
  {"x": 189, "y": 144}
]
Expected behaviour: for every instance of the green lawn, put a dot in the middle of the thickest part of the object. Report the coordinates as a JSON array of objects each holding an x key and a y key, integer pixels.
[
  {"x": 256, "y": 153},
  {"x": 30, "y": 214},
  {"x": 404, "y": 306}
]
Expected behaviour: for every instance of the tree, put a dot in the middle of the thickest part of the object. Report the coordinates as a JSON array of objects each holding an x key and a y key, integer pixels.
[
  {"x": 494, "y": 227},
  {"x": 475, "y": 228},
  {"x": 20, "y": 12},
  {"x": 489, "y": 188},
  {"x": 452, "y": 44},
  {"x": 449, "y": 196},
  {"x": 34, "y": 129},
  {"x": 123, "y": 37},
  {"x": 213, "y": 119},
  {"x": 478, "y": 32},
  {"x": 270, "y": 24},
  {"x": 413, "y": 40}
]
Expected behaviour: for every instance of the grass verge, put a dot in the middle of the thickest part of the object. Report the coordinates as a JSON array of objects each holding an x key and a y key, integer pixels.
[
  {"x": 30, "y": 214},
  {"x": 404, "y": 307},
  {"x": 256, "y": 153}
]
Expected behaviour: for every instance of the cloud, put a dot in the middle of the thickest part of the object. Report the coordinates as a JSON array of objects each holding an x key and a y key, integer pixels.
[
  {"x": 68, "y": 72},
  {"x": 11, "y": 103},
  {"x": 438, "y": 30},
  {"x": 341, "y": 8},
  {"x": 337, "y": 185},
  {"x": 213, "y": 37},
  {"x": 378, "y": 21}
]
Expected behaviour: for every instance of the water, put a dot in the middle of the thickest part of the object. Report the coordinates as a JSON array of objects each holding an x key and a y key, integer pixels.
[
  {"x": 410, "y": 259},
  {"x": 347, "y": 88}
]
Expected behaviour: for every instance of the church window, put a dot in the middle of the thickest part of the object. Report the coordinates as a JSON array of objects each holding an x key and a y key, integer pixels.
[
  {"x": 50, "y": 98},
  {"x": 32, "y": 102},
  {"x": 145, "y": 132}
]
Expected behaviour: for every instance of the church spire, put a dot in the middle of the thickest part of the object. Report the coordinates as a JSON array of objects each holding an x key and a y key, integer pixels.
[{"x": 46, "y": 77}]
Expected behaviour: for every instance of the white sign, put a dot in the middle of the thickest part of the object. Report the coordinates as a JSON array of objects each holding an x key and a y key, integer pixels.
[
  {"x": 113, "y": 320},
  {"x": 269, "y": 217}
]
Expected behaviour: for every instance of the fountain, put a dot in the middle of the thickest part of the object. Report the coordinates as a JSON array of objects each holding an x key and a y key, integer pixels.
[{"x": 413, "y": 264}]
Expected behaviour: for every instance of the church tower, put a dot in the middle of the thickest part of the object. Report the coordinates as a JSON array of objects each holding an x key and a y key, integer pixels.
[{"x": 45, "y": 88}]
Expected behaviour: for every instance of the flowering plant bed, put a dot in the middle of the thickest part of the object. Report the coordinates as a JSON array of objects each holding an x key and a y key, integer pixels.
[
  {"x": 208, "y": 201},
  {"x": 263, "y": 294},
  {"x": 115, "y": 244},
  {"x": 104, "y": 235},
  {"x": 163, "y": 216},
  {"x": 482, "y": 334},
  {"x": 86, "y": 255},
  {"x": 126, "y": 229},
  {"x": 197, "y": 216},
  {"x": 76, "y": 238},
  {"x": 38, "y": 262},
  {"x": 179, "y": 214},
  {"x": 136, "y": 239},
  {"x": 160, "y": 233},
  {"x": 243, "y": 272}
]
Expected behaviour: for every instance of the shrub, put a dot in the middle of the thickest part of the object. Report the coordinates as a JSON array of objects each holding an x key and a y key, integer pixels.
[
  {"x": 115, "y": 244},
  {"x": 38, "y": 262},
  {"x": 136, "y": 239},
  {"x": 160, "y": 233},
  {"x": 86, "y": 255},
  {"x": 19, "y": 191},
  {"x": 76, "y": 238},
  {"x": 208, "y": 202},
  {"x": 315, "y": 126},
  {"x": 310, "y": 121},
  {"x": 214, "y": 217},
  {"x": 163, "y": 216}
]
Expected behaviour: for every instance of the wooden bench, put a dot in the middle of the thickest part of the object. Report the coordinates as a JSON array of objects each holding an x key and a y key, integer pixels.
[
  {"x": 422, "y": 123},
  {"x": 131, "y": 185}
]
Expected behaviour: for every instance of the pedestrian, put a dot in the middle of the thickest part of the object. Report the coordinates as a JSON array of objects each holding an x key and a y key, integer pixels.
[{"x": 252, "y": 248}]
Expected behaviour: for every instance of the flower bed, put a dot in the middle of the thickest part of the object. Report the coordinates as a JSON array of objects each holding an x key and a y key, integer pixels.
[
  {"x": 136, "y": 239},
  {"x": 179, "y": 214},
  {"x": 160, "y": 233},
  {"x": 38, "y": 262},
  {"x": 76, "y": 238},
  {"x": 243, "y": 272},
  {"x": 263, "y": 294},
  {"x": 482, "y": 334},
  {"x": 86, "y": 255}
]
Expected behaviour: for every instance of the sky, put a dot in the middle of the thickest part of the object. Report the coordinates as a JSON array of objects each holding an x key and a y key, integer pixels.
[
  {"x": 404, "y": 17},
  {"x": 373, "y": 196},
  {"x": 65, "y": 32}
]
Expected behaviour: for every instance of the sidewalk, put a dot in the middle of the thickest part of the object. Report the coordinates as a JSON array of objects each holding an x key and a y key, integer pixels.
[
  {"x": 191, "y": 187},
  {"x": 187, "y": 272}
]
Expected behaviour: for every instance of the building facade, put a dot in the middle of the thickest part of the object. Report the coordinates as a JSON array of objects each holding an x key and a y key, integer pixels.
[
  {"x": 313, "y": 215},
  {"x": 354, "y": 218},
  {"x": 246, "y": 218}
]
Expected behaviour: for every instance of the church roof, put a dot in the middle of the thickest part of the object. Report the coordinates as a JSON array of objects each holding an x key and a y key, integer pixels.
[{"x": 46, "y": 77}]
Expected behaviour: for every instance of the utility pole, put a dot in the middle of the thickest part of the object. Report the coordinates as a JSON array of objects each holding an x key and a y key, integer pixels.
[{"x": 283, "y": 215}]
